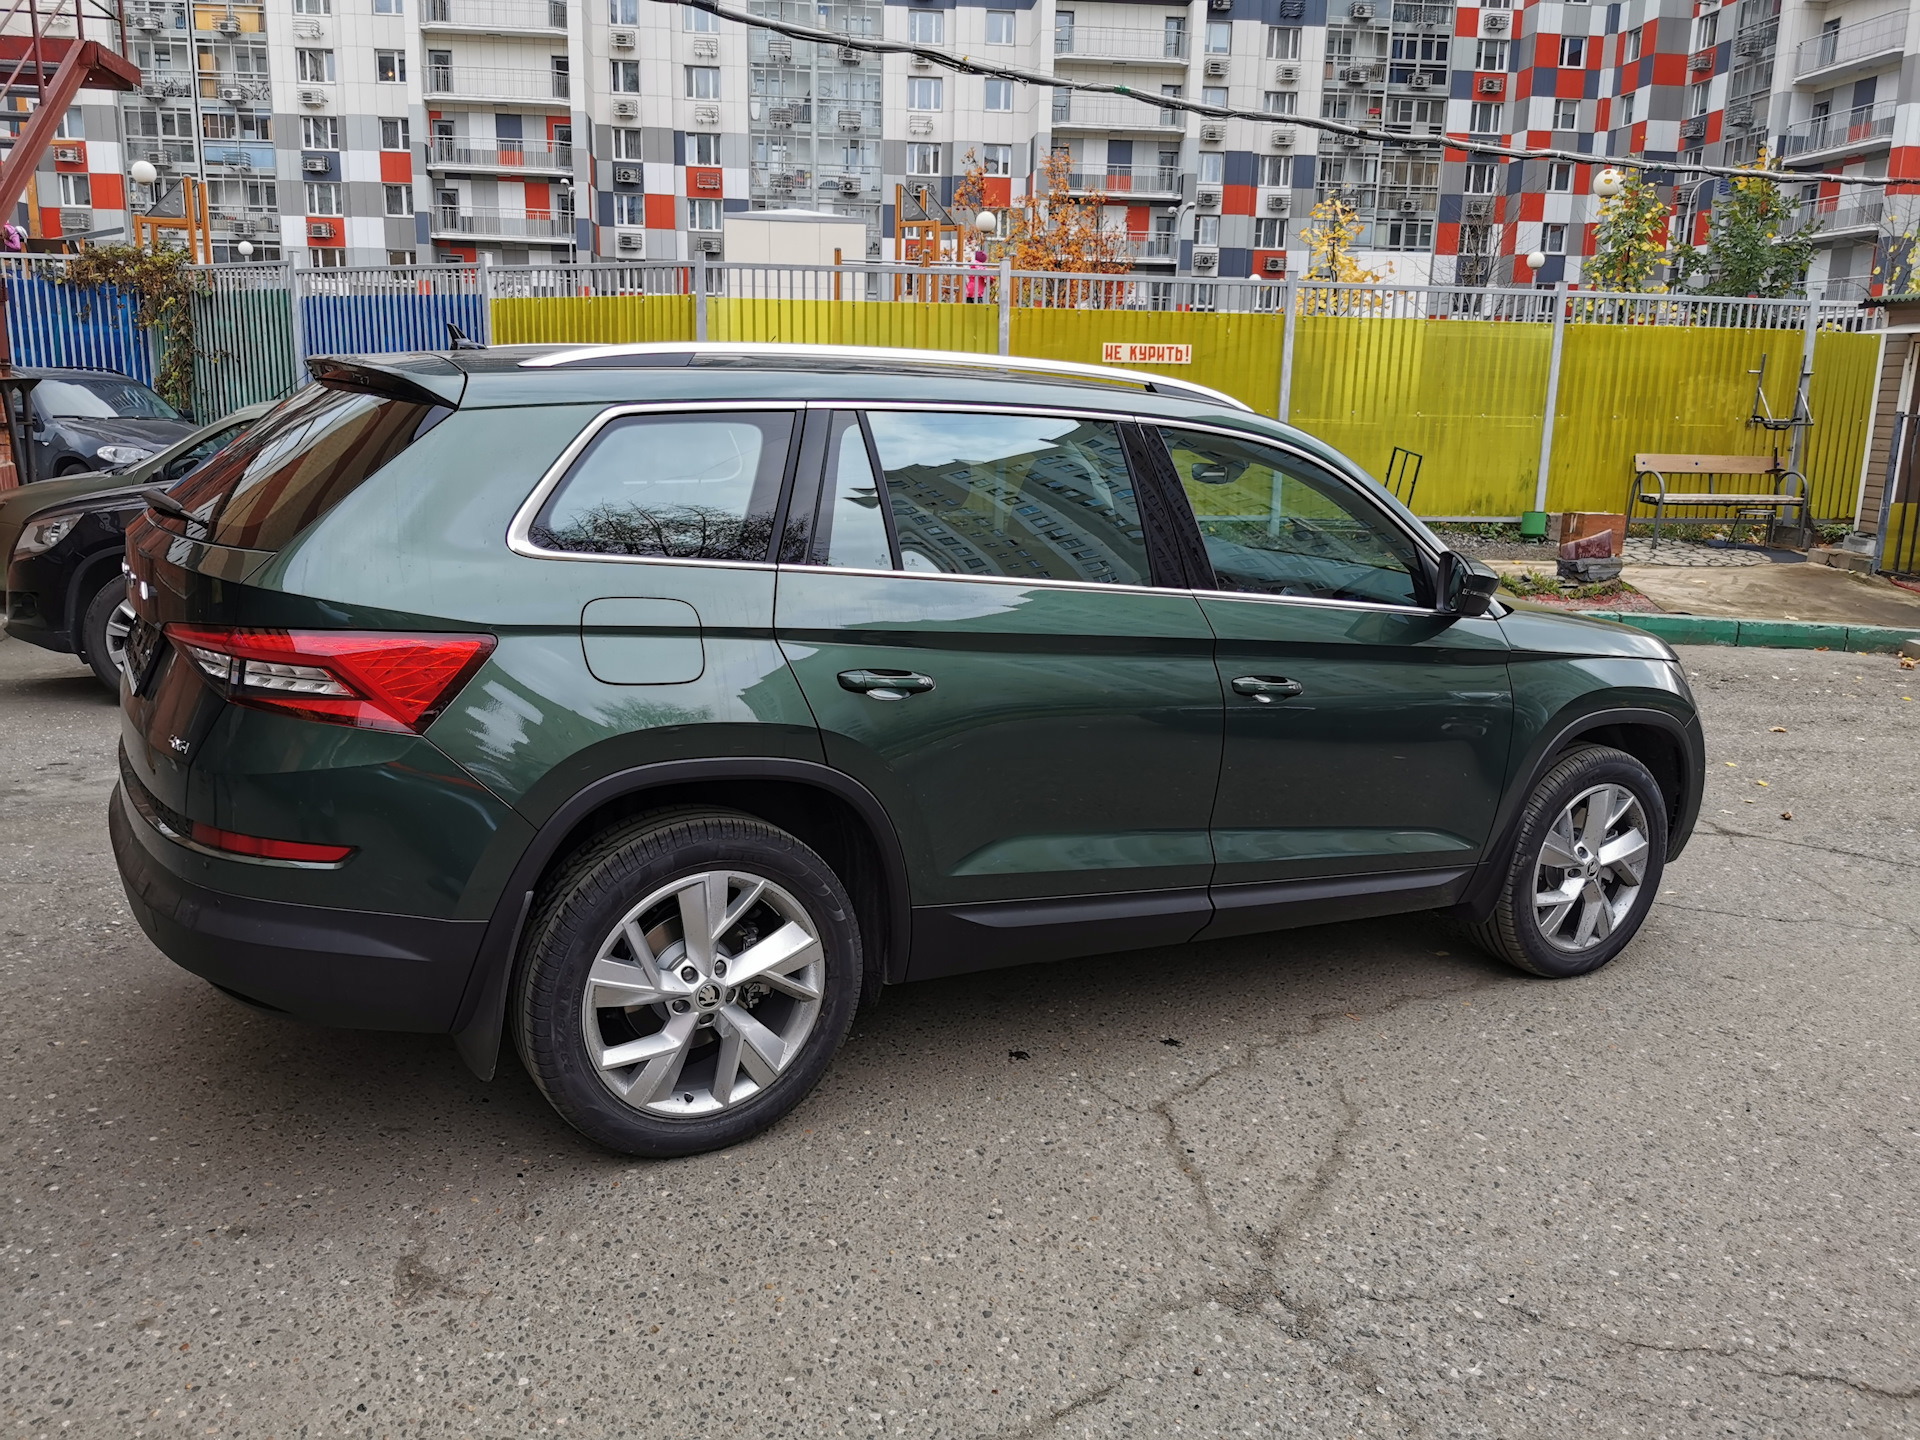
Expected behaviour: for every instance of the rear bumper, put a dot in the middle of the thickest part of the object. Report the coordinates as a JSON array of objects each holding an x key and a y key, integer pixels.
[{"x": 354, "y": 968}]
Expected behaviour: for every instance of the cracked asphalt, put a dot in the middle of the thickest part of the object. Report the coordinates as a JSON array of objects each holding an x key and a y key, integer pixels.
[{"x": 1354, "y": 1180}]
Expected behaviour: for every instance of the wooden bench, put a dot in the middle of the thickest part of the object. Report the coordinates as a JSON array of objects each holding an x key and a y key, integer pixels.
[{"x": 1786, "y": 489}]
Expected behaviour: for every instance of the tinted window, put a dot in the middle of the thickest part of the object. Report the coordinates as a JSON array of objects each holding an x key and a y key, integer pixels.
[
  {"x": 187, "y": 461},
  {"x": 852, "y": 531},
  {"x": 688, "y": 487},
  {"x": 297, "y": 464},
  {"x": 1277, "y": 526},
  {"x": 107, "y": 398},
  {"x": 1027, "y": 496}
]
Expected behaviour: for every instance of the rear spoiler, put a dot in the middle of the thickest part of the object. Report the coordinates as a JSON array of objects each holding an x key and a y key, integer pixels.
[{"x": 423, "y": 379}]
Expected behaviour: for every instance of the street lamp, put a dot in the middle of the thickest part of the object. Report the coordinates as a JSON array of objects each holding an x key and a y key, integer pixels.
[
  {"x": 1609, "y": 183},
  {"x": 573, "y": 221},
  {"x": 245, "y": 249},
  {"x": 986, "y": 222},
  {"x": 1536, "y": 261},
  {"x": 143, "y": 172}
]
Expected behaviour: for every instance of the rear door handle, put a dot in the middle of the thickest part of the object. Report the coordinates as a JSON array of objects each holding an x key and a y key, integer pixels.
[
  {"x": 1267, "y": 688},
  {"x": 885, "y": 684}
]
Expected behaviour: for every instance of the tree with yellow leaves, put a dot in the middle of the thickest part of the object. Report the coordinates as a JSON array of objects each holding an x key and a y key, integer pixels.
[
  {"x": 1747, "y": 252},
  {"x": 1332, "y": 230},
  {"x": 1630, "y": 242}
]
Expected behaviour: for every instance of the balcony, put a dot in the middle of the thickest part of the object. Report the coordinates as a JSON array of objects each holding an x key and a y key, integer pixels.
[
  {"x": 1152, "y": 247},
  {"x": 1119, "y": 45},
  {"x": 1073, "y": 111},
  {"x": 451, "y": 223},
  {"x": 503, "y": 155},
  {"x": 1855, "y": 49},
  {"x": 1430, "y": 17},
  {"x": 496, "y": 17},
  {"x": 1408, "y": 200},
  {"x": 241, "y": 157},
  {"x": 1840, "y": 218},
  {"x": 483, "y": 85},
  {"x": 1124, "y": 182},
  {"x": 1825, "y": 137},
  {"x": 234, "y": 220}
]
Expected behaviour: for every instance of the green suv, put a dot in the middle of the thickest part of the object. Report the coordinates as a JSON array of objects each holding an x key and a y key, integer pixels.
[{"x": 658, "y": 704}]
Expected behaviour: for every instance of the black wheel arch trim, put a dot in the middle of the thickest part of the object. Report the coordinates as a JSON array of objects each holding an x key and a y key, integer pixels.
[
  {"x": 481, "y": 1017},
  {"x": 1477, "y": 901}
]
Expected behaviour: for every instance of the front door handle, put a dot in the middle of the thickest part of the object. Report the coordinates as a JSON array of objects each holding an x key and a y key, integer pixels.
[
  {"x": 885, "y": 684},
  {"x": 1267, "y": 688}
]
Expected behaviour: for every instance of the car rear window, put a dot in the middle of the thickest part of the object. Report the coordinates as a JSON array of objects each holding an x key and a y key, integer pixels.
[{"x": 297, "y": 464}]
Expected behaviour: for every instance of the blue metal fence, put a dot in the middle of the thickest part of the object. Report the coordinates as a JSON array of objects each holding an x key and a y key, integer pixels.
[
  {"x": 89, "y": 327},
  {"x": 387, "y": 310}
]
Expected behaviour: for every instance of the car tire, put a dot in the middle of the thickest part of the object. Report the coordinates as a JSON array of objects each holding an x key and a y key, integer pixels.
[
  {"x": 104, "y": 626},
  {"x": 1585, "y": 865},
  {"x": 70, "y": 467},
  {"x": 625, "y": 1016}
]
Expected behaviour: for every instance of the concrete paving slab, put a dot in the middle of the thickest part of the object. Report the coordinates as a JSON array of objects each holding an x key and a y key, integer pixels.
[{"x": 1777, "y": 592}]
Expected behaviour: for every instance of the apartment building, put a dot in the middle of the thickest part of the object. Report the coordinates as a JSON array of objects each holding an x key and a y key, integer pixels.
[{"x": 375, "y": 132}]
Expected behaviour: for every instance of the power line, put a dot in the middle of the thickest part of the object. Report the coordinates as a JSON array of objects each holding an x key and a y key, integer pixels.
[{"x": 967, "y": 64}]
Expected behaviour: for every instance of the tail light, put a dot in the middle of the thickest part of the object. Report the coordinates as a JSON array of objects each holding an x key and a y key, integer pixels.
[{"x": 372, "y": 680}]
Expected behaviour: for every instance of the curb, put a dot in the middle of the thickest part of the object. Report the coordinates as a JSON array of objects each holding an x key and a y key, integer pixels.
[{"x": 1776, "y": 634}]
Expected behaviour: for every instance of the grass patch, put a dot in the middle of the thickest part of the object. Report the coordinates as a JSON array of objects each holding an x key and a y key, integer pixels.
[{"x": 1531, "y": 583}]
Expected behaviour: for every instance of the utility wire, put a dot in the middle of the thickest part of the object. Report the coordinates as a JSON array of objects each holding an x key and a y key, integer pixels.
[{"x": 967, "y": 64}]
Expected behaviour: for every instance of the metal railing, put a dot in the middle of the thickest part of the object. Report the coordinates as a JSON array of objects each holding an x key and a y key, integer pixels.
[
  {"x": 1837, "y": 213},
  {"x": 485, "y": 82},
  {"x": 1846, "y": 43},
  {"x": 1119, "y": 42},
  {"x": 495, "y": 14},
  {"x": 448, "y": 220},
  {"x": 1117, "y": 180},
  {"x": 1860, "y": 126},
  {"x": 1113, "y": 112},
  {"x": 501, "y": 155}
]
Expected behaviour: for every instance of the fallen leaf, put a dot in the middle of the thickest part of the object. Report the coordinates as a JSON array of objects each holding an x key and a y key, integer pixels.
[
  {"x": 1733, "y": 765},
  {"x": 1779, "y": 729},
  {"x": 1762, "y": 782},
  {"x": 1786, "y": 814},
  {"x": 1907, "y": 662}
]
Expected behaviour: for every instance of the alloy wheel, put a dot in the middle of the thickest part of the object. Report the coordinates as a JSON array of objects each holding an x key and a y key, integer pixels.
[
  {"x": 119, "y": 627},
  {"x": 703, "y": 994},
  {"x": 1591, "y": 867}
]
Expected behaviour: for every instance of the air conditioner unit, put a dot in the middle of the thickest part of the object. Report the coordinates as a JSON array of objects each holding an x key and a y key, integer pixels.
[
  {"x": 1477, "y": 207},
  {"x": 1420, "y": 80},
  {"x": 626, "y": 109},
  {"x": 1216, "y": 66},
  {"x": 631, "y": 242},
  {"x": 706, "y": 180},
  {"x": 320, "y": 230},
  {"x": 1282, "y": 139},
  {"x": 919, "y": 125},
  {"x": 227, "y": 25},
  {"x": 314, "y": 165},
  {"x": 1213, "y": 131},
  {"x": 1749, "y": 44},
  {"x": 780, "y": 51},
  {"x": 1279, "y": 203},
  {"x": 1702, "y": 61},
  {"x": 706, "y": 49},
  {"x": 1357, "y": 75},
  {"x": 1206, "y": 259},
  {"x": 1491, "y": 85},
  {"x": 1409, "y": 207},
  {"x": 702, "y": 114},
  {"x": 849, "y": 55},
  {"x": 266, "y": 224},
  {"x": 147, "y": 21},
  {"x": 780, "y": 114},
  {"x": 1275, "y": 265},
  {"x": 1494, "y": 22},
  {"x": 850, "y": 120},
  {"x": 1286, "y": 74},
  {"x": 708, "y": 245},
  {"x": 851, "y": 184},
  {"x": 67, "y": 155},
  {"x": 921, "y": 62},
  {"x": 233, "y": 94},
  {"x": 1220, "y": 4},
  {"x": 1694, "y": 125},
  {"x": 1207, "y": 199},
  {"x": 313, "y": 97},
  {"x": 239, "y": 226},
  {"x": 1352, "y": 142},
  {"x": 1740, "y": 115},
  {"x": 626, "y": 174},
  {"x": 624, "y": 39},
  {"x": 76, "y": 222},
  {"x": 1361, "y": 9},
  {"x": 307, "y": 30}
]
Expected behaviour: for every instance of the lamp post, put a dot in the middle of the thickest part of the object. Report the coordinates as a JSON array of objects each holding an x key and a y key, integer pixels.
[
  {"x": 1609, "y": 183},
  {"x": 573, "y": 220},
  {"x": 245, "y": 250}
]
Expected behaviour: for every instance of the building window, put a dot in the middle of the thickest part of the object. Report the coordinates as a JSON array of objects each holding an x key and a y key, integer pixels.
[
  {"x": 1214, "y": 95},
  {"x": 390, "y": 66},
  {"x": 389, "y": 7},
  {"x": 1630, "y": 47},
  {"x": 1560, "y": 176},
  {"x": 313, "y": 66},
  {"x": 923, "y": 159},
  {"x": 923, "y": 92},
  {"x": 703, "y": 214},
  {"x": 999, "y": 95},
  {"x": 926, "y": 27},
  {"x": 1173, "y": 38},
  {"x": 629, "y": 208},
  {"x": 1697, "y": 98},
  {"x": 1000, "y": 27},
  {"x": 1491, "y": 55},
  {"x": 1276, "y": 170},
  {"x": 1219, "y": 37},
  {"x": 703, "y": 81},
  {"x": 1283, "y": 42},
  {"x": 1206, "y": 230},
  {"x": 319, "y": 132},
  {"x": 1706, "y": 31},
  {"x": 399, "y": 199},
  {"x": 1626, "y": 109},
  {"x": 1482, "y": 177},
  {"x": 626, "y": 77},
  {"x": 1213, "y": 167},
  {"x": 330, "y": 257},
  {"x": 1573, "y": 52},
  {"x": 1553, "y": 239},
  {"x": 996, "y": 159},
  {"x": 1270, "y": 233},
  {"x": 1280, "y": 102},
  {"x": 323, "y": 197},
  {"x": 1487, "y": 119},
  {"x": 1566, "y": 114},
  {"x": 701, "y": 149},
  {"x": 626, "y": 143},
  {"x": 560, "y": 68},
  {"x": 1407, "y": 235},
  {"x": 75, "y": 190},
  {"x": 403, "y": 257},
  {"x": 698, "y": 22},
  {"x": 313, "y": 7},
  {"x": 627, "y": 12},
  {"x": 395, "y": 135}
]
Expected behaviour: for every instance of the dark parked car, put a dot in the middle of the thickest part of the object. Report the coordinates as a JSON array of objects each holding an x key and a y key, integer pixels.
[
  {"x": 64, "y": 589},
  {"x": 661, "y": 703},
  {"x": 82, "y": 420}
]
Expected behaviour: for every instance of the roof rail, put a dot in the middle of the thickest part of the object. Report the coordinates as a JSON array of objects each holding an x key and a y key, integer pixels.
[{"x": 603, "y": 355}]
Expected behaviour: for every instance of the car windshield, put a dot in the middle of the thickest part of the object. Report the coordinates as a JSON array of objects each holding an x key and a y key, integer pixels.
[
  {"x": 110, "y": 397},
  {"x": 187, "y": 461}
]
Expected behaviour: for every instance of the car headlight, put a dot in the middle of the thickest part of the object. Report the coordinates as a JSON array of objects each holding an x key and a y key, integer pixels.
[
  {"x": 123, "y": 455},
  {"x": 43, "y": 533}
]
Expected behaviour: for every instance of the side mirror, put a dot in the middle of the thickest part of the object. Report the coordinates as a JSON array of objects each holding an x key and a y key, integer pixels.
[{"x": 1467, "y": 587}]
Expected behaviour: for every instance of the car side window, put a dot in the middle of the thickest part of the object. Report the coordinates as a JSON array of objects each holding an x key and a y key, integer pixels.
[
  {"x": 1276, "y": 525},
  {"x": 1024, "y": 496},
  {"x": 852, "y": 530},
  {"x": 688, "y": 487}
]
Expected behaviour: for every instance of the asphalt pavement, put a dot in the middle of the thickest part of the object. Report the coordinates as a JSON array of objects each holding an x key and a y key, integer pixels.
[{"x": 1355, "y": 1180}]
